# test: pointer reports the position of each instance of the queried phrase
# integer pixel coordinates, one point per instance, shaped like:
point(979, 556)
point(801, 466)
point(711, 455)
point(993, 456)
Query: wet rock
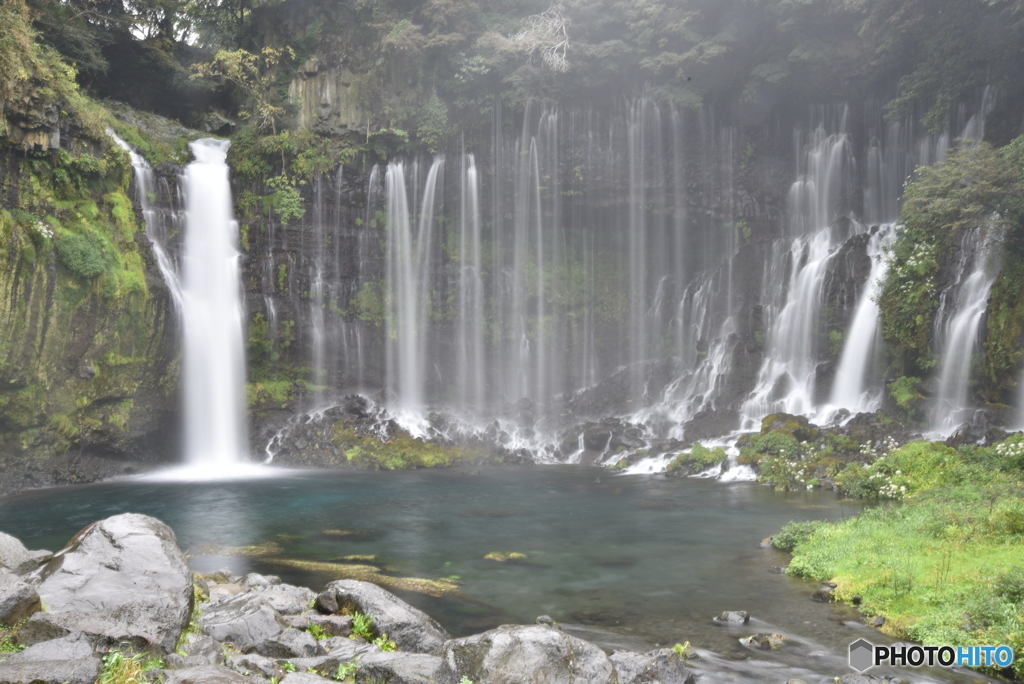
point(254, 580)
point(341, 652)
point(288, 643)
point(68, 660)
point(411, 629)
point(824, 593)
point(710, 424)
point(765, 642)
point(398, 668)
point(287, 599)
point(797, 426)
point(18, 600)
point(241, 620)
point(734, 617)
point(201, 649)
point(208, 674)
point(663, 666)
point(777, 570)
point(122, 579)
point(16, 558)
point(547, 621)
point(514, 654)
point(878, 621)
point(254, 664)
point(961, 436)
point(219, 592)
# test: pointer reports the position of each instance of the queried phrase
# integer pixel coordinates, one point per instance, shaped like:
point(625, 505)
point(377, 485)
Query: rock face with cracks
point(122, 579)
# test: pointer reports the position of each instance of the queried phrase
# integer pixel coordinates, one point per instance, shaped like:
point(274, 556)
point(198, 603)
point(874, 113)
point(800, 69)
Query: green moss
point(369, 303)
point(400, 452)
point(697, 459)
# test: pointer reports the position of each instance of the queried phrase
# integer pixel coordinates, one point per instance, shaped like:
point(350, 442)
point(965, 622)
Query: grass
point(119, 668)
point(7, 645)
point(944, 567)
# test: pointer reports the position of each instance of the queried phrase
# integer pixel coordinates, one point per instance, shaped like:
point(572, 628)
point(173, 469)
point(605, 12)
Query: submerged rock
point(122, 579)
point(515, 654)
point(412, 629)
point(734, 617)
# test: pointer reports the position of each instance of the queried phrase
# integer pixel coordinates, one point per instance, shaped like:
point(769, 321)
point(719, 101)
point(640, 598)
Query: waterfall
point(961, 309)
point(158, 224)
point(471, 372)
point(213, 362)
point(787, 378)
point(851, 389)
point(409, 260)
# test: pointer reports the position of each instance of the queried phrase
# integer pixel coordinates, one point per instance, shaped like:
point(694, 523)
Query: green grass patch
point(946, 566)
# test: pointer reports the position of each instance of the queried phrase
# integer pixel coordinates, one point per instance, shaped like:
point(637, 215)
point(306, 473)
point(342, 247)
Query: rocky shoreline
point(121, 592)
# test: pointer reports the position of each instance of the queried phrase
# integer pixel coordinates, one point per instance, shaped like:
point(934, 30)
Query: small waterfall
point(961, 309)
point(212, 314)
point(851, 388)
point(409, 261)
point(158, 224)
point(471, 372)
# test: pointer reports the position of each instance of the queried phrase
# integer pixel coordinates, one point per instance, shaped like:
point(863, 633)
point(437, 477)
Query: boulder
point(16, 558)
point(208, 674)
point(734, 617)
point(219, 592)
point(524, 654)
point(122, 579)
point(344, 653)
point(68, 660)
point(242, 620)
point(287, 599)
point(412, 629)
point(288, 643)
point(397, 668)
point(663, 666)
point(18, 600)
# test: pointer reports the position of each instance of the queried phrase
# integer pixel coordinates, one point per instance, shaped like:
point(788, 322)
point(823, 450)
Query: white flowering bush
point(42, 230)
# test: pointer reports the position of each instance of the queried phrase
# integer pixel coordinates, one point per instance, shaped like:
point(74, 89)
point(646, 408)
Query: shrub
point(795, 533)
point(84, 254)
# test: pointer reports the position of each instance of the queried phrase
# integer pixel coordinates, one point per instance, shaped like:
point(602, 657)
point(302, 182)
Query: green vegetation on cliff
point(977, 188)
point(943, 567)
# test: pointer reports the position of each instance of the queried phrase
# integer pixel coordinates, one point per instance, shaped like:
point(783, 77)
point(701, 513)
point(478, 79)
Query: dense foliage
point(978, 188)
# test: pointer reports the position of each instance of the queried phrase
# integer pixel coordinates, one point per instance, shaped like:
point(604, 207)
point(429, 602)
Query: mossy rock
point(797, 426)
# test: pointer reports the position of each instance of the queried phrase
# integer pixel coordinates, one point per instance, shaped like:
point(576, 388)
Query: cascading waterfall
point(158, 223)
point(852, 388)
point(471, 292)
point(961, 309)
point(787, 379)
point(212, 314)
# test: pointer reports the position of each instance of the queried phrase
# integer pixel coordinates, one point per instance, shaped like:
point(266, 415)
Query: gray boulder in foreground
point(412, 629)
point(18, 600)
point(525, 654)
point(663, 666)
point(69, 660)
point(243, 620)
point(122, 579)
point(16, 558)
